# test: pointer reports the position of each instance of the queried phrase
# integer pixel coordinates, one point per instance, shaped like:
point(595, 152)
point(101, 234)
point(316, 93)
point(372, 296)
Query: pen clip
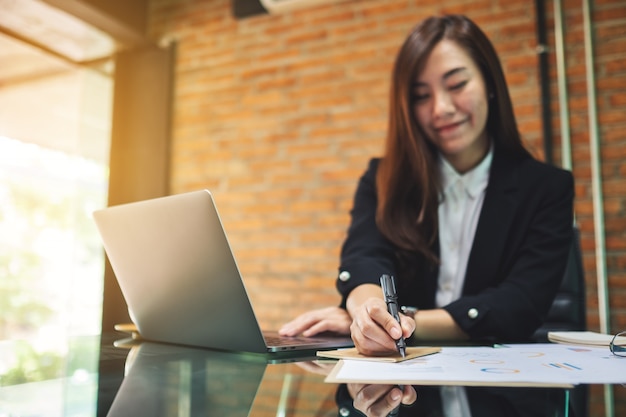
point(389, 288)
point(391, 299)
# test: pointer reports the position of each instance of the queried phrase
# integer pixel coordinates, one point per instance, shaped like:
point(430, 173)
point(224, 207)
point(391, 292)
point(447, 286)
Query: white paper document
point(510, 365)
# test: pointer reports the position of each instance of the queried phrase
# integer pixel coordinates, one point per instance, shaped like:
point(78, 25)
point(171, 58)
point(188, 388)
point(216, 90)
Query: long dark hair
point(407, 180)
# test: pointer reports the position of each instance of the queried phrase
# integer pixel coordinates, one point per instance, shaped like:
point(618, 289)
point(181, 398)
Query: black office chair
point(569, 313)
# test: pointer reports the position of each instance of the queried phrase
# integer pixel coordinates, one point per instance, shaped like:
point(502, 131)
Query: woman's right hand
point(375, 331)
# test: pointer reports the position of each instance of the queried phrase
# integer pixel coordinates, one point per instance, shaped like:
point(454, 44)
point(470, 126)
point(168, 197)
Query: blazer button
point(344, 276)
point(472, 313)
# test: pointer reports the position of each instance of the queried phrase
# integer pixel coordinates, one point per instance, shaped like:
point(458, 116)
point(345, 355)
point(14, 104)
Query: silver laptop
point(176, 270)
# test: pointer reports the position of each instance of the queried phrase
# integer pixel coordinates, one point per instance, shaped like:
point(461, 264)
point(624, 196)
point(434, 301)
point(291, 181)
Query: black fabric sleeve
point(366, 254)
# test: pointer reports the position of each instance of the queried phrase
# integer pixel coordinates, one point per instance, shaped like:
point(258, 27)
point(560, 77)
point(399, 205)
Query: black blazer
point(517, 259)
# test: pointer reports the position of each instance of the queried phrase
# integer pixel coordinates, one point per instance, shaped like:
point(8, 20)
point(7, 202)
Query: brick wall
point(278, 116)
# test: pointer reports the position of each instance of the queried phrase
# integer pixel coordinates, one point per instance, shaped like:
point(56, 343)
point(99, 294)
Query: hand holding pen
point(391, 299)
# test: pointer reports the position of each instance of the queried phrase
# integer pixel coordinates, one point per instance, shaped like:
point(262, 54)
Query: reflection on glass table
point(162, 380)
point(151, 379)
point(453, 401)
point(166, 380)
point(373, 400)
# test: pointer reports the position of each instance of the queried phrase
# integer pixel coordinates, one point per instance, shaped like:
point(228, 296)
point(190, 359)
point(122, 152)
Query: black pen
point(391, 298)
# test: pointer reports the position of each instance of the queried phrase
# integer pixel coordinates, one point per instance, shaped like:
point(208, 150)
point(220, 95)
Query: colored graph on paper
point(509, 364)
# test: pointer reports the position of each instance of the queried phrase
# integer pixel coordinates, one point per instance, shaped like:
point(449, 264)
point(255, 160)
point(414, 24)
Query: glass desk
point(150, 379)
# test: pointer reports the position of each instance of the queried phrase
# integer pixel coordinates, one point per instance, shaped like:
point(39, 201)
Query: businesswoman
point(474, 229)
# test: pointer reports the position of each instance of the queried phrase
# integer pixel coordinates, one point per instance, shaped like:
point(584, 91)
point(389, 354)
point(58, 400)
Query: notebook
point(587, 338)
point(180, 279)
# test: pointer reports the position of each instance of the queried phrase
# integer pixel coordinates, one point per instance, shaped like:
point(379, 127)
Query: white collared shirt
point(461, 201)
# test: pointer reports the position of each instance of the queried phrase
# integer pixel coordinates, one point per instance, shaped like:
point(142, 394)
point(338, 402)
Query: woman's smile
point(449, 128)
